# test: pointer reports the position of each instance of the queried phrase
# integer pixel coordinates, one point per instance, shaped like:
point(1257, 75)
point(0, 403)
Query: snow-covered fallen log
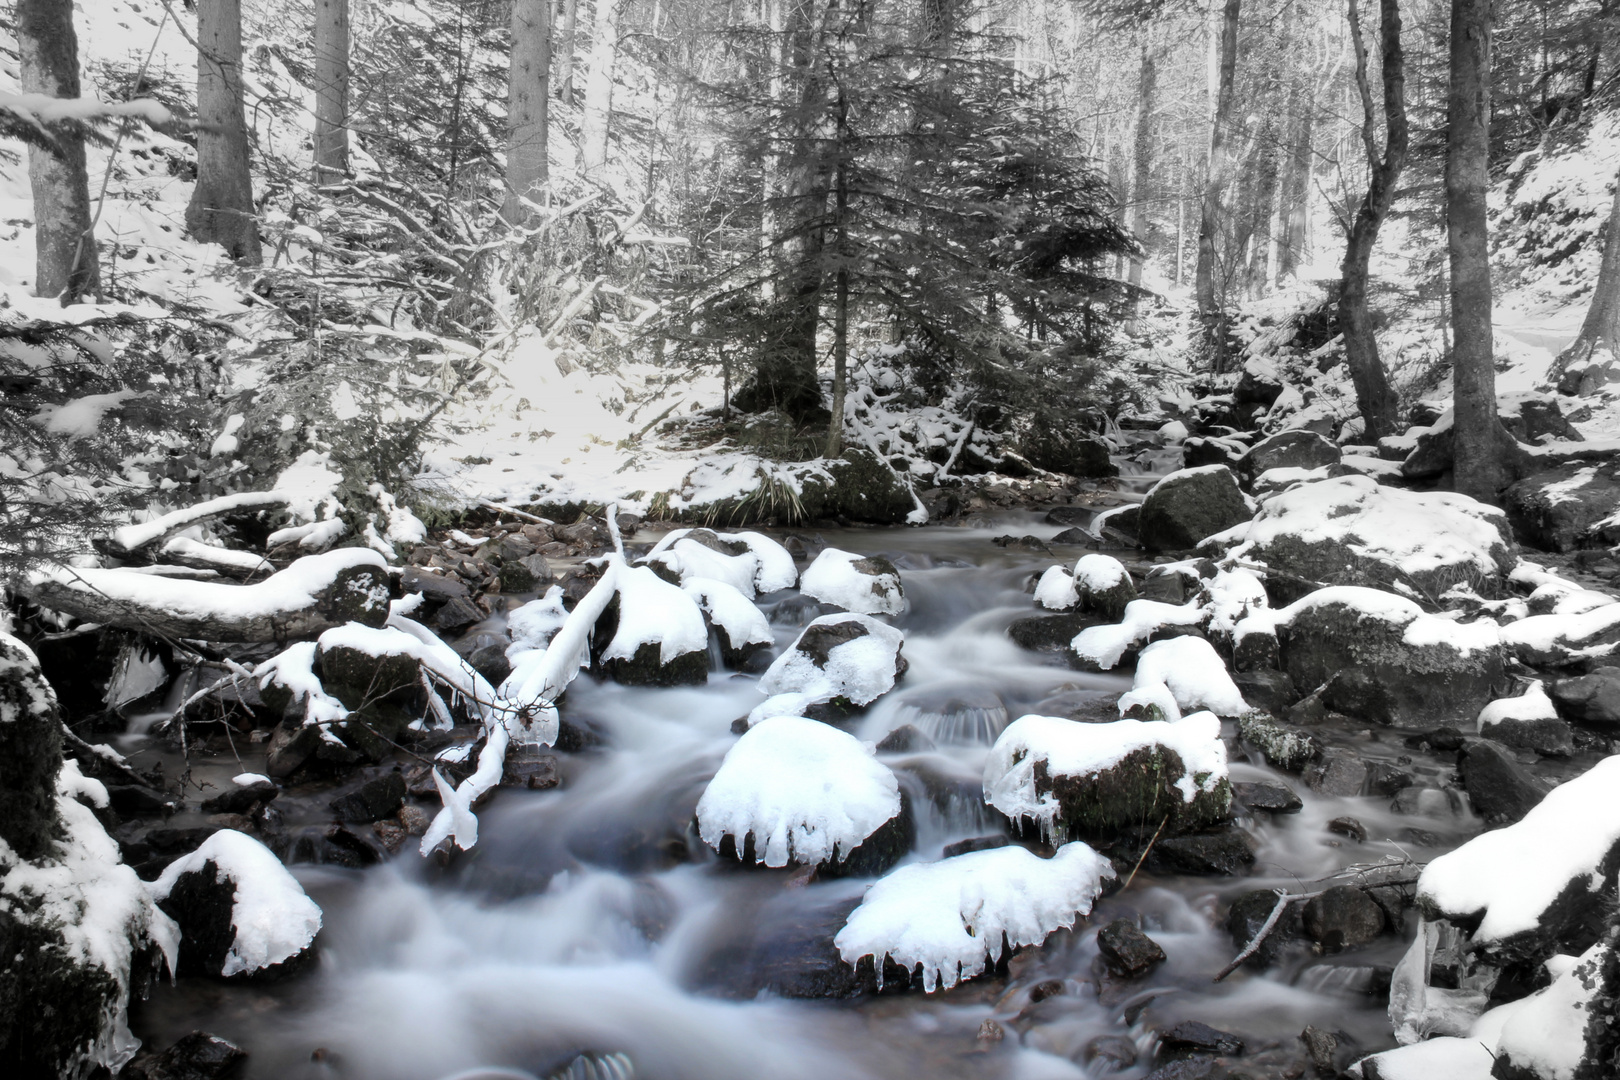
point(312, 595)
point(132, 538)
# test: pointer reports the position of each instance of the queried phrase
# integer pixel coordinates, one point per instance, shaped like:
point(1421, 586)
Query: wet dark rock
point(1350, 827)
point(197, 1056)
point(1249, 913)
point(1127, 950)
point(1051, 633)
point(1340, 772)
point(457, 613)
point(490, 661)
point(1499, 787)
point(1417, 800)
point(527, 574)
point(787, 949)
point(1191, 1037)
point(1226, 853)
point(1200, 450)
point(646, 667)
point(1269, 690)
point(1270, 797)
point(174, 840)
point(1288, 450)
point(1109, 1053)
point(1342, 917)
point(201, 903)
point(1187, 506)
point(862, 488)
point(435, 587)
point(1057, 450)
point(1443, 740)
point(138, 800)
point(1195, 1068)
point(1139, 787)
point(1566, 508)
point(1070, 515)
point(1047, 988)
point(30, 752)
point(530, 768)
point(905, 739)
point(1022, 543)
point(372, 801)
point(383, 693)
point(1282, 745)
point(1331, 1052)
point(1592, 699)
point(338, 845)
point(1073, 536)
point(240, 798)
point(1547, 736)
point(1384, 778)
point(976, 843)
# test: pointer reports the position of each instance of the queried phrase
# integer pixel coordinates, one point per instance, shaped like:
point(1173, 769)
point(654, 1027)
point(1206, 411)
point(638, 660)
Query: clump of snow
point(808, 792)
point(183, 547)
point(1098, 573)
point(1105, 645)
point(956, 916)
point(79, 418)
point(313, 536)
point(690, 559)
point(1233, 595)
point(1193, 672)
point(309, 484)
point(1056, 590)
point(860, 670)
point(773, 564)
point(1070, 748)
point(533, 625)
point(854, 583)
point(273, 919)
point(1533, 704)
point(1511, 876)
point(731, 611)
point(1542, 636)
point(653, 610)
point(1418, 627)
point(402, 526)
point(294, 670)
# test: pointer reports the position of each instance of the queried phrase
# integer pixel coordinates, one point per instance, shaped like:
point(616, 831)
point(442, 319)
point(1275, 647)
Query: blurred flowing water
point(592, 934)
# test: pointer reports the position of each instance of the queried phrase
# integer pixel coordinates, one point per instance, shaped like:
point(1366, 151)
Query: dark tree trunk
point(528, 104)
point(1263, 208)
point(331, 89)
point(30, 750)
point(1378, 404)
point(563, 54)
point(1482, 448)
point(221, 209)
point(1296, 180)
point(64, 241)
point(835, 425)
point(1209, 221)
point(1142, 160)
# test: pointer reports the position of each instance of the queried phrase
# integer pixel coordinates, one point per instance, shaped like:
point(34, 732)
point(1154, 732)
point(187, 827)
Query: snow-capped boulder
point(1555, 639)
point(1288, 450)
point(840, 658)
point(1055, 590)
point(240, 912)
point(377, 675)
point(1377, 656)
point(865, 585)
point(1189, 505)
point(1350, 530)
point(1103, 585)
point(956, 917)
point(1190, 673)
point(1576, 505)
point(1104, 647)
point(690, 558)
point(1592, 699)
point(73, 917)
point(1529, 721)
point(743, 629)
point(1074, 779)
point(651, 634)
point(798, 791)
point(773, 565)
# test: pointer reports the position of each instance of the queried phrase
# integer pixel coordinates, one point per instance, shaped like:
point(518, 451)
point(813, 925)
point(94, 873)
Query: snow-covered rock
point(1572, 506)
point(1191, 672)
point(1103, 585)
point(688, 559)
point(1104, 647)
point(654, 631)
point(957, 916)
point(1097, 780)
point(1055, 591)
point(1350, 530)
point(854, 658)
point(239, 910)
point(1555, 639)
point(1189, 505)
point(1378, 656)
point(743, 629)
point(793, 790)
point(1288, 450)
point(865, 585)
point(1530, 721)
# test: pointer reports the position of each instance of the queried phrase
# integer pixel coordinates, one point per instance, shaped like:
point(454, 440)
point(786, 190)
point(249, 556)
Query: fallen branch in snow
point(132, 538)
point(1283, 900)
point(967, 433)
point(490, 504)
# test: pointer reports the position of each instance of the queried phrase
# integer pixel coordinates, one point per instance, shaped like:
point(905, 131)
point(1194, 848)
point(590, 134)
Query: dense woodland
point(405, 403)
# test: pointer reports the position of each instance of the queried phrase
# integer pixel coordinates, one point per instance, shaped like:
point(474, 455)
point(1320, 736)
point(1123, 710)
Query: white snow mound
point(1056, 590)
point(1533, 704)
point(273, 919)
point(956, 916)
point(837, 578)
point(1193, 672)
point(808, 792)
point(861, 669)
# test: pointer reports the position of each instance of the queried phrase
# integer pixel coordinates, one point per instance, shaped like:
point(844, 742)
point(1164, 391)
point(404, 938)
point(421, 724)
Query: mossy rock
point(30, 752)
point(863, 489)
point(1283, 746)
point(1187, 506)
point(1133, 796)
point(383, 694)
point(52, 1005)
point(357, 594)
point(647, 668)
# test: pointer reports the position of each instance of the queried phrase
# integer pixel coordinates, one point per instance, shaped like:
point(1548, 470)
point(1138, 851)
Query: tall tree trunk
point(563, 54)
point(1601, 327)
point(1378, 404)
point(1296, 182)
point(841, 255)
point(64, 243)
point(594, 120)
point(1481, 446)
point(1209, 221)
point(221, 209)
point(1142, 159)
point(528, 104)
point(331, 89)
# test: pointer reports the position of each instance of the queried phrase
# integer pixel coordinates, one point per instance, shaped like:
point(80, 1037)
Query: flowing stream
point(591, 934)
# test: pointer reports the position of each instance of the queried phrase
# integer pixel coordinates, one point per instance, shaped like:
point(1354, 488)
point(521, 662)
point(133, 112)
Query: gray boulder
point(1569, 507)
point(1288, 450)
point(1187, 506)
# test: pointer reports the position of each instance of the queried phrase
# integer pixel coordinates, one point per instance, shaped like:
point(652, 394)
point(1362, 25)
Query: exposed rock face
point(1592, 699)
point(1288, 450)
point(1127, 950)
point(1378, 657)
point(1187, 506)
point(1249, 913)
point(1499, 787)
point(1572, 506)
point(1343, 917)
point(1057, 451)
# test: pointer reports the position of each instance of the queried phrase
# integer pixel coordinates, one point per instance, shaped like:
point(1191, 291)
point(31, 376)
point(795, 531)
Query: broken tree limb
point(132, 538)
point(312, 595)
point(1283, 900)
